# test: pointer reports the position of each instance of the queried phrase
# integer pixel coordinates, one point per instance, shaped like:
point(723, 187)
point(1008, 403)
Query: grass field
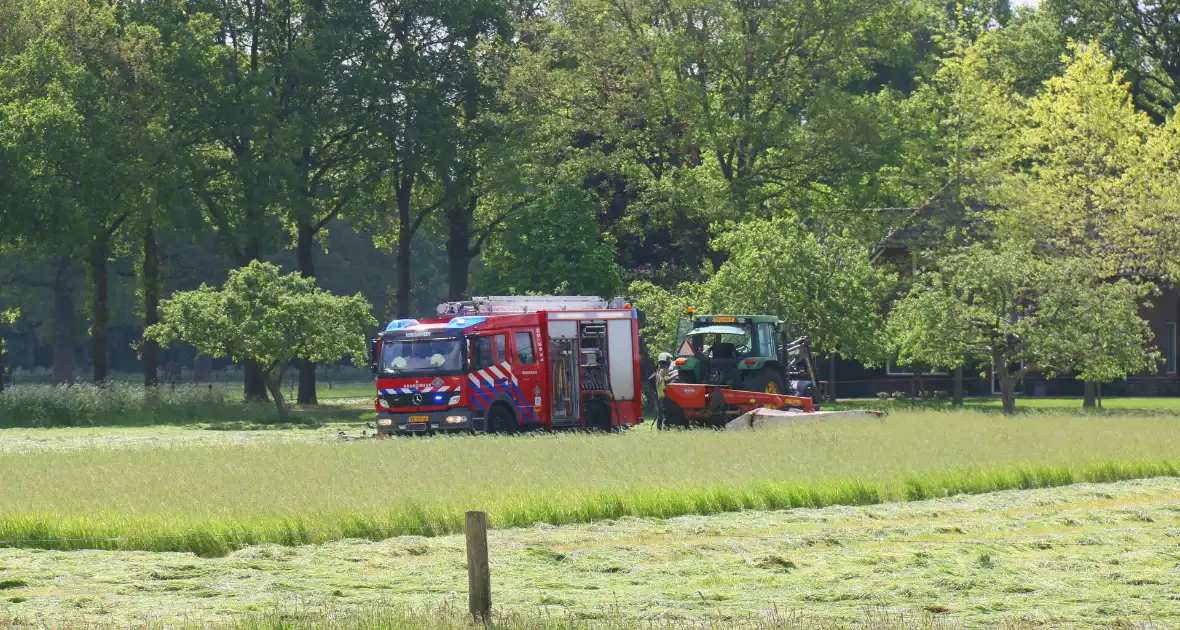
point(992, 404)
point(215, 496)
point(1083, 556)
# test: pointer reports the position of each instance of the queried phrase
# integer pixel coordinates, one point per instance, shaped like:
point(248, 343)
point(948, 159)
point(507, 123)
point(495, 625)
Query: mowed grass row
point(213, 499)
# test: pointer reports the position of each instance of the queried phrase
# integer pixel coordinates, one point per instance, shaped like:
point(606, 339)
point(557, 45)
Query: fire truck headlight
point(456, 419)
point(382, 403)
point(384, 422)
point(454, 400)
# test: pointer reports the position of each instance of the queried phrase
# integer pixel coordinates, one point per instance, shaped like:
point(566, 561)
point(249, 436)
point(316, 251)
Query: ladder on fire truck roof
point(508, 304)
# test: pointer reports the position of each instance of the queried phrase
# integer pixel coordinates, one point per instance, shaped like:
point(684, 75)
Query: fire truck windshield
point(409, 357)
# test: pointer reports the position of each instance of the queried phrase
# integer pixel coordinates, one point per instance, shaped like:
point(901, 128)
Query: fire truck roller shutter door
point(621, 355)
point(563, 329)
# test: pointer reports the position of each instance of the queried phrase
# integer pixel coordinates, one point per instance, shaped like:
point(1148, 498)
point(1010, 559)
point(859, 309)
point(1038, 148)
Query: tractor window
point(722, 346)
point(524, 348)
point(766, 338)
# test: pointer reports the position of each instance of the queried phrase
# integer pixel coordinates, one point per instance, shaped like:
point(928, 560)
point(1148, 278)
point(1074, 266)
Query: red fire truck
point(506, 364)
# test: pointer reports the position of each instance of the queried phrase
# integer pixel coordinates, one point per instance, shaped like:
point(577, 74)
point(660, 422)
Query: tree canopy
point(267, 317)
point(810, 160)
point(1021, 310)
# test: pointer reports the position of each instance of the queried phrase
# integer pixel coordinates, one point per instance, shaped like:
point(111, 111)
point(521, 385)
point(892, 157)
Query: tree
point(1022, 311)
point(76, 92)
point(826, 285)
point(714, 110)
point(553, 246)
point(1071, 171)
point(661, 310)
point(7, 318)
point(1142, 37)
point(328, 173)
point(424, 56)
point(1155, 213)
point(263, 316)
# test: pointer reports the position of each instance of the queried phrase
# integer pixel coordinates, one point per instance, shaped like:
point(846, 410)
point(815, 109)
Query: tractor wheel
point(674, 417)
point(502, 420)
point(766, 380)
point(598, 416)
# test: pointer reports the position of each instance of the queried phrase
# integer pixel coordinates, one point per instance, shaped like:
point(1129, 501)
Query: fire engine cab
point(506, 364)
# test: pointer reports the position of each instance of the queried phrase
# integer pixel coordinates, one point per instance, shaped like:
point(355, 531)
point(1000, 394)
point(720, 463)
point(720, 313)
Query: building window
point(892, 369)
point(1170, 349)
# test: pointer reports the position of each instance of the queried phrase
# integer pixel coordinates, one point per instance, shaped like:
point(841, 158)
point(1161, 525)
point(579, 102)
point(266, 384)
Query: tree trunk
point(275, 384)
point(63, 324)
point(254, 376)
point(99, 309)
point(305, 251)
point(151, 306)
point(255, 381)
point(957, 388)
point(832, 377)
point(1088, 395)
point(1008, 392)
point(459, 253)
point(404, 241)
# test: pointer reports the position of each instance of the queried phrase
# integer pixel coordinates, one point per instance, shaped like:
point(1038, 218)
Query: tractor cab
point(759, 353)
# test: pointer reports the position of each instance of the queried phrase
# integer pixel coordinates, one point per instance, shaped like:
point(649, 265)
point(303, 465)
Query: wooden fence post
point(479, 582)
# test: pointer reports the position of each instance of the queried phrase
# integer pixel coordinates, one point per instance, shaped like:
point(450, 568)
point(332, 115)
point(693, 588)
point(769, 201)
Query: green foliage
point(553, 246)
point(264, 316)
point(1071, 170)
point(1020, 311)
point(1143, 38)
point(662, 309)
point(827, 286)
point(7, 318)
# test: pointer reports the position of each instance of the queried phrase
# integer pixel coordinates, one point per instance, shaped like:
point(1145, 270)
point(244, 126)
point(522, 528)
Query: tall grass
point(122, 404)
point(213, 499)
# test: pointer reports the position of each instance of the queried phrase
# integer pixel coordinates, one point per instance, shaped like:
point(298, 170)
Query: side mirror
point(373, 355)
point(794, 330)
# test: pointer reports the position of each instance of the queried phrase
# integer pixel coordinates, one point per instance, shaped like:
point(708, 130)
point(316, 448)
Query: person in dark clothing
point(661, 377)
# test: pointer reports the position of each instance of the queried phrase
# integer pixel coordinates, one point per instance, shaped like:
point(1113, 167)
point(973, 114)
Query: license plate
point(419, 418)
point(723, 320)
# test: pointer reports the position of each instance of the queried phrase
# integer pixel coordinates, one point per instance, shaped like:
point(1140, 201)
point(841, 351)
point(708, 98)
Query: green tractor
point(756, 353)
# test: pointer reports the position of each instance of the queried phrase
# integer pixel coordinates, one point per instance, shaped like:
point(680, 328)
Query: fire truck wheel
point(598, 416)
point(501, 420)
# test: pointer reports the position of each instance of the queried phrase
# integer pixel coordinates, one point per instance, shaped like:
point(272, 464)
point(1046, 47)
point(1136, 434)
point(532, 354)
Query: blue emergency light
point(399, 324)
point(465, 322)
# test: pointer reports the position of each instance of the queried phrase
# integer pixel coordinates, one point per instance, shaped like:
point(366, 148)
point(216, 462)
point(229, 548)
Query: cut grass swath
point(214, 499)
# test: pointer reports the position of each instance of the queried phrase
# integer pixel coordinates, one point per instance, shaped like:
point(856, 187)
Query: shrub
point(883, 395)
point(121, 404)
point(941, 395)
point(900, 396)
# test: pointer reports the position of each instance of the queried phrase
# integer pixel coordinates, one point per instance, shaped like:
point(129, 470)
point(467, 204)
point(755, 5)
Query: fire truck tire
point(766, 380)
point(502, 420)
point(598, 416)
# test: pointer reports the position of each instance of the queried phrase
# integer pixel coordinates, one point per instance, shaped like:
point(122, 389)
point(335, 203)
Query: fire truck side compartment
point(621, 358)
